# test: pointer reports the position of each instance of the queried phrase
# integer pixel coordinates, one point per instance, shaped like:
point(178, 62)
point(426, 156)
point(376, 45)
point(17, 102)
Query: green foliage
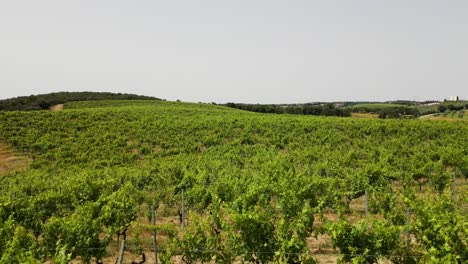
point(362, 242)
point(292, 237)
point(119, 208)
point(252, 182)
point(77, 234)
point(441, 229)
point(14, 239)
point(44, 101)
point(62, 255)
point(295, 109)
point(204, 242)
point(442, 108)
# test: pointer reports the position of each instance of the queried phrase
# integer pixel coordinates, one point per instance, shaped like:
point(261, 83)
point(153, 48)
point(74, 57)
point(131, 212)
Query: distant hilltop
point(45, 101)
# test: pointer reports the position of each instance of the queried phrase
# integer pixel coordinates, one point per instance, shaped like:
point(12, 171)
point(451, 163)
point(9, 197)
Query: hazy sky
point(237, 50)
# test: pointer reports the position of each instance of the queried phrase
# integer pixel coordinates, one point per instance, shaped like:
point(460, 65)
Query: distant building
point(453, 98)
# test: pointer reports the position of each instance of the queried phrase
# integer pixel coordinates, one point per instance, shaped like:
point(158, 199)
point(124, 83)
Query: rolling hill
point(229, 185)
point(45, 101)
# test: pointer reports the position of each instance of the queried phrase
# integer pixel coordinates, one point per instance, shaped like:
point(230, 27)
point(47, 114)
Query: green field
point(256, 187)
point(376, 105)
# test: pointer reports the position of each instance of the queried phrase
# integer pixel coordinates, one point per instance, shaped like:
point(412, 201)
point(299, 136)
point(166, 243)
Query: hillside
point(44, 101)
point(230, 185)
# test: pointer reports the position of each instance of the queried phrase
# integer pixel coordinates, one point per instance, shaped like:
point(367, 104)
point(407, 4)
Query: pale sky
point(248, 51)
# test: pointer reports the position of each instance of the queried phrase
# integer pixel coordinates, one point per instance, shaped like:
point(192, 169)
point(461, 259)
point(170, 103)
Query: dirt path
point(10, 161)
point(56, 108)
point(364, 115)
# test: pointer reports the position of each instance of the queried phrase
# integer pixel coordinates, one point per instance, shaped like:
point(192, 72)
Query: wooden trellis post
point(155, 242)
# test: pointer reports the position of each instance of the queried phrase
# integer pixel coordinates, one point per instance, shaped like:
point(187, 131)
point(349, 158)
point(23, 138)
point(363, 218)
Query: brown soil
point(364, 115)
point(10, 161)
point(56, 108)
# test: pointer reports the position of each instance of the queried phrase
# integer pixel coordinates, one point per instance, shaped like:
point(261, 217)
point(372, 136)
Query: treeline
point(408, 111)
point(399, 112)
point(383, 111)
point(299, 109)
point(44, 101)
point(451, 107)
point(395, 110)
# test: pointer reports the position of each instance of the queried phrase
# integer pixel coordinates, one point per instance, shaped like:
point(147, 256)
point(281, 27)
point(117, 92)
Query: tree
point(442, 108)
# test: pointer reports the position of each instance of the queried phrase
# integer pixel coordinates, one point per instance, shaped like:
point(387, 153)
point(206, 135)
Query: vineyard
point(200, 183)
point(450, 115)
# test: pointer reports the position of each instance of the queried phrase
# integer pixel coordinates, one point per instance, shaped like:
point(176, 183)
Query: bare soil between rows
point(10, 160)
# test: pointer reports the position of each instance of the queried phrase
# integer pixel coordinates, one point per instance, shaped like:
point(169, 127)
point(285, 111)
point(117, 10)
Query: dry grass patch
point(364, 115)
point(56, 108)
point(11, 161)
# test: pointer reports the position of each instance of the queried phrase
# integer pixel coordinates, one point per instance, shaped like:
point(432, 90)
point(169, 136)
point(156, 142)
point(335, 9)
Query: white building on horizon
point(453, 98)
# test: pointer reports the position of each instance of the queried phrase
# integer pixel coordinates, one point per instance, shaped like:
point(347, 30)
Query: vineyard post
point(155, 245)
point(454, 192)
point(182, 211)
point(429, 177)
point(118, 240)
point(122, 248)
point(366, 199)
point(408, 215)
